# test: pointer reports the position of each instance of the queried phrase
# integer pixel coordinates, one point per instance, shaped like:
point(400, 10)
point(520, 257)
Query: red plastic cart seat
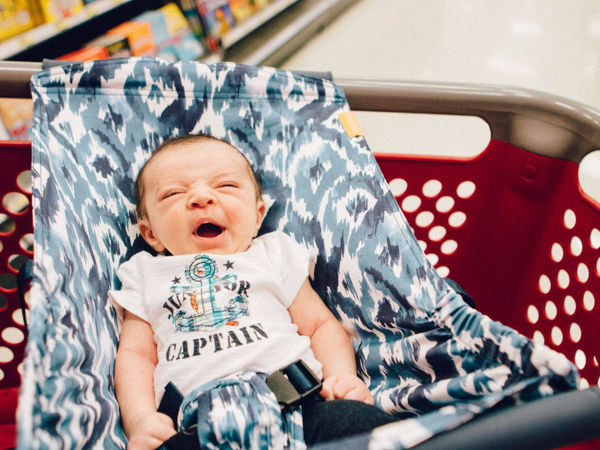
point(16, 242)
point(515, 230)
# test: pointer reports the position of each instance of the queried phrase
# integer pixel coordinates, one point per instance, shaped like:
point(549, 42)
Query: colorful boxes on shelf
point(53, 10)
point(241, 9)
point(115, 45)
point(16, 116)
point(221, 16)
point(86, 54)
point(172, 34)
point(17, 16)
point(216, 16)
point(164, 33)
point(139, 37)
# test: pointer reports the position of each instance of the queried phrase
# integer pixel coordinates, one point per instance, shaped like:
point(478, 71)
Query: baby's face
point(200, 198)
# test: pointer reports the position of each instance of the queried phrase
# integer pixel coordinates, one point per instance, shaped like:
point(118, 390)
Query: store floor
point(546, 45)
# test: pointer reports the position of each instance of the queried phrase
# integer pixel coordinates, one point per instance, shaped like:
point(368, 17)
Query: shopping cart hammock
point(420, 348)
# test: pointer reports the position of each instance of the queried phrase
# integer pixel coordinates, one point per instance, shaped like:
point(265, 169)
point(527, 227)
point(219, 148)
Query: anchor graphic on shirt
point(209, 312)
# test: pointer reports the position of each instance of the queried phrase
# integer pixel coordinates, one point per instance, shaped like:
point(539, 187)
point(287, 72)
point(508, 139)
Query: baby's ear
point(261, 210)
point(149, 236)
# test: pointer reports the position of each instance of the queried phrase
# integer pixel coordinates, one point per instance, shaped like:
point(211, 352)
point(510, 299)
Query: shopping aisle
point(546, 45)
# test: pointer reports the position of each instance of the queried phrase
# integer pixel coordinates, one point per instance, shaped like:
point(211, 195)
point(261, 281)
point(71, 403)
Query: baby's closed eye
point(228, 184)
point(169, 194)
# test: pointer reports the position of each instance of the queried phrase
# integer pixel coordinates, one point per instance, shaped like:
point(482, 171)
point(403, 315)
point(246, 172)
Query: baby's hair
point(140, 211)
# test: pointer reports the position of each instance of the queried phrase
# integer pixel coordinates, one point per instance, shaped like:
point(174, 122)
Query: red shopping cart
point(510, 225)
point(515, 231)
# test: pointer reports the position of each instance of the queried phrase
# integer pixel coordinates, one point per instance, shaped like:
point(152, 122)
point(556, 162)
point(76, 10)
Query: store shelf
point(274, 41)
point(44, 32)
point(266, 40)
point(63, 36)
point(240, 31)
point(267, 37)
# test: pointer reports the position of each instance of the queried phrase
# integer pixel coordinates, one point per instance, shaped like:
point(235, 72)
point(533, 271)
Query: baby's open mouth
point(208, 230)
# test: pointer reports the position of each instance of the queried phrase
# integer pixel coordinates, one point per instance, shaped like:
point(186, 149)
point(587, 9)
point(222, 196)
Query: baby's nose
point(200, 198)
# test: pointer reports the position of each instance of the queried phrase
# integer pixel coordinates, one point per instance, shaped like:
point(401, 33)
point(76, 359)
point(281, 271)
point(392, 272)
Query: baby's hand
point(150, 431)
point(348, 387)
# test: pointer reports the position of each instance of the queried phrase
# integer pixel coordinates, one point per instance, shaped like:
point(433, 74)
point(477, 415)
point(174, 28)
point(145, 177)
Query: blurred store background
point(547, 45)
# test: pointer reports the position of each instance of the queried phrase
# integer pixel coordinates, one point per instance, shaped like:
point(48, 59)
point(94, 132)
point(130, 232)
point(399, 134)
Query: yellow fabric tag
point(350, 124)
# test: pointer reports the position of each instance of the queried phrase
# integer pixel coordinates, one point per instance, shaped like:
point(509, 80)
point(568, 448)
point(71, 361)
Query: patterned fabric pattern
point(240, 411)
point(419, 347)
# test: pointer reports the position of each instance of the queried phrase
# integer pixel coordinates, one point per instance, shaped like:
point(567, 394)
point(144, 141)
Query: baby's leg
point(336, 419)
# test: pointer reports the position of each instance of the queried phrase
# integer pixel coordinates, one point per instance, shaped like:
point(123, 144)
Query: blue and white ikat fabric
point(240, 411)
point(422, 351)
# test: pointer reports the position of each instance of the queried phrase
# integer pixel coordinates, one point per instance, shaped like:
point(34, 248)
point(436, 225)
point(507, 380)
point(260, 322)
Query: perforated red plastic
point(515, 230)
point(16, 244)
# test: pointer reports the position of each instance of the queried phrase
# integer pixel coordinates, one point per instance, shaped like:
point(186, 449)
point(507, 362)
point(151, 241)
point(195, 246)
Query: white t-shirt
point(215, 315)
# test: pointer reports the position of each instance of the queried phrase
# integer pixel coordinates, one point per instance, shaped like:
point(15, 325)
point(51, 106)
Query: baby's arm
point(134, 386)
point(331, 345)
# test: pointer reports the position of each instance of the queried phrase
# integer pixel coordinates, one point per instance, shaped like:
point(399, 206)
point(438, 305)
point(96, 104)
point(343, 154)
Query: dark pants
point(336, 419)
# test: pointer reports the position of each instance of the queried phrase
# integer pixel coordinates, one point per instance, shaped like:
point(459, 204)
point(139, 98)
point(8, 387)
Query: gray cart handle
point(532, 120)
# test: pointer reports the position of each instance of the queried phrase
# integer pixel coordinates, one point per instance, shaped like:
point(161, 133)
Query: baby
point(223, 300)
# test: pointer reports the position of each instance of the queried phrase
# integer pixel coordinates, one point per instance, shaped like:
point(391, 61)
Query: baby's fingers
point(352, 388)
point(346, 387)
point(164, 428)
point(360, 394)
point(152, 432)
point(165, 420)
point(327, 388)
point(342, 389)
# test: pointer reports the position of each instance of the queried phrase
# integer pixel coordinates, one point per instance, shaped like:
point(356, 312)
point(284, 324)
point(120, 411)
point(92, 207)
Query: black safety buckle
point(294, 385)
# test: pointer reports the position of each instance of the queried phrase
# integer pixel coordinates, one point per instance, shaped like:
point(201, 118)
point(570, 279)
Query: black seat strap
point(170, 402)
